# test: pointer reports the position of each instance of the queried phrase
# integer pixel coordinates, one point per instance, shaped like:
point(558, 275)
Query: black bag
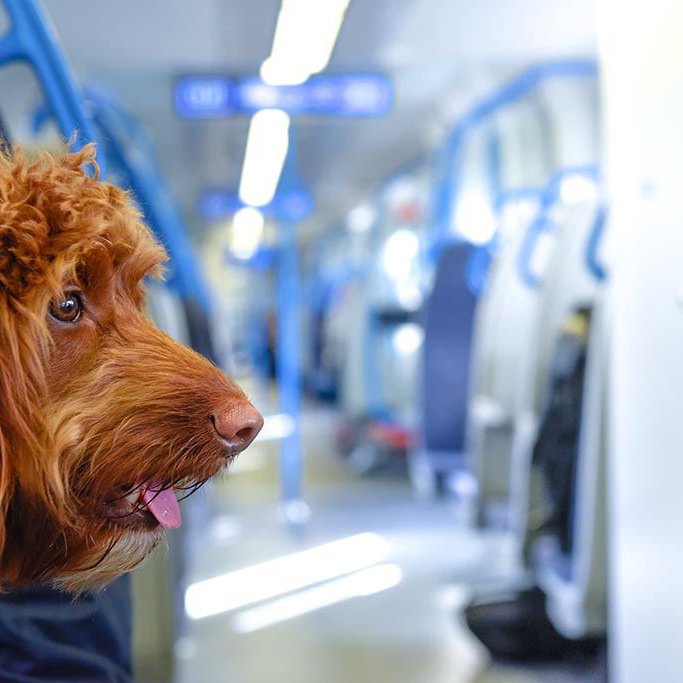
point(555, 453)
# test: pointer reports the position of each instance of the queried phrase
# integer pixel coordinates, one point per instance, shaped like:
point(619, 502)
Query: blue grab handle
point(542, 222)
point(595, 267)
point(539, 225)
point(447, 187)
point(31, 38)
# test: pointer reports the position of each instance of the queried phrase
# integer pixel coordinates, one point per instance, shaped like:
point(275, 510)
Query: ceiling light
point(305, 36)
point(247, 232)
point(264, 157)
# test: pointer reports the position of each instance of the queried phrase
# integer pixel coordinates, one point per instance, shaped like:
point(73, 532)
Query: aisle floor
point(422, 564)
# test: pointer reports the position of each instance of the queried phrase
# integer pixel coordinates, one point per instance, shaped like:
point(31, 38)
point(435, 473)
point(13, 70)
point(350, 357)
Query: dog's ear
point(40, 216)
point(25, 461)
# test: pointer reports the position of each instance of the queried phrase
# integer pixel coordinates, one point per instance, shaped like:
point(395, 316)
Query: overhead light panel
point(247, 232)
point(267, 145)
point(305, 36)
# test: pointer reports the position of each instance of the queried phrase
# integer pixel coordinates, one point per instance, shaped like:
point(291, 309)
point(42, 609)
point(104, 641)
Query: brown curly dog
point(103, 418)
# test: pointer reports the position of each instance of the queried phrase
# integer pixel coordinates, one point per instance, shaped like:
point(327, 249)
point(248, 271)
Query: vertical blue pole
point(289, 353)
point(289, 362)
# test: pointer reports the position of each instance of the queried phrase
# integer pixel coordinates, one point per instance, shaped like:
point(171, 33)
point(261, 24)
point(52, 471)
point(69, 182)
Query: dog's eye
point(67, 310)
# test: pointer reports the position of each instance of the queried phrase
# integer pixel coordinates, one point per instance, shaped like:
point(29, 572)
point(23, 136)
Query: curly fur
point(87, 410)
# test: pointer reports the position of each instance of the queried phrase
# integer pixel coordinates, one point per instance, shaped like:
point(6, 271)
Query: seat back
point(449, 323)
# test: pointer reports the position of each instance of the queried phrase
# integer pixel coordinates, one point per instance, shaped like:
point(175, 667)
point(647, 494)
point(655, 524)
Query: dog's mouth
point(153, 501)
point(151, 504)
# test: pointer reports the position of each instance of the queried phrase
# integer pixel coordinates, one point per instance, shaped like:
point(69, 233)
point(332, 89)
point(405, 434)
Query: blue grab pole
point(289, 362)
point(446, 188)
point(288, 344)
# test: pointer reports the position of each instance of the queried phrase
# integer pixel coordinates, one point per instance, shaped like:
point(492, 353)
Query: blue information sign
point(347, 95)
point(216, 204)
point(204, 97)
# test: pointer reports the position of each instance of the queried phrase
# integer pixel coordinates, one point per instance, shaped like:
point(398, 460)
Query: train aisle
point(413, 557)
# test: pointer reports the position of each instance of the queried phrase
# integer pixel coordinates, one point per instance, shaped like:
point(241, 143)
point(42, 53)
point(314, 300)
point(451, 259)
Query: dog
point(104, 420)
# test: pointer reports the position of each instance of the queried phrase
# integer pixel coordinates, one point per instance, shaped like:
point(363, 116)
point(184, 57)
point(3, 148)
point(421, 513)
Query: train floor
point(408, 628)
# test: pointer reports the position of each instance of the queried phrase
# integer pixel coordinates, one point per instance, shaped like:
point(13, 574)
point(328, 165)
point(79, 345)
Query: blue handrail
point(542, 222)
point(31, 38)
point(593, 264)
point(446, 189)
point(538, 226)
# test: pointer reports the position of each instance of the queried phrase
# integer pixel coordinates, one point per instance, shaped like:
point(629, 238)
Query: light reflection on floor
point(403, 628)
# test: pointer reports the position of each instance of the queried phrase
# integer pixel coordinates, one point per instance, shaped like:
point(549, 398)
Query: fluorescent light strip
point(247, 232)
point(360, 584)
point(283, 575)
point(305, 36)
point(267, 145)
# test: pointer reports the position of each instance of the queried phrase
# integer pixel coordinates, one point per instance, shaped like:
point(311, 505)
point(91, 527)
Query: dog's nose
point(237, 425)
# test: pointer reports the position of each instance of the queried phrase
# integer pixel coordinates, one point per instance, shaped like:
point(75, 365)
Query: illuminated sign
point(204, 97)
point(217, 204)
point(347, 95)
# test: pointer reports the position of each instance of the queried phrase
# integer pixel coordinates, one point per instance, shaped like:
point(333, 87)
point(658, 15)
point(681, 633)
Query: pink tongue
point(163, 505)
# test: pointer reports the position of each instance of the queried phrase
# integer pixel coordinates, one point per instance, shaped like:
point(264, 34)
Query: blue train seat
point(449, 320)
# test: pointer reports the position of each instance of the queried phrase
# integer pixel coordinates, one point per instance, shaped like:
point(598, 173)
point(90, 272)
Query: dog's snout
point(237, 425)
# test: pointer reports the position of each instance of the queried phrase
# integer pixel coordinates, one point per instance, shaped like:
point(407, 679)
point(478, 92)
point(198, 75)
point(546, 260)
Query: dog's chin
point(124, 527)
point(124, 553)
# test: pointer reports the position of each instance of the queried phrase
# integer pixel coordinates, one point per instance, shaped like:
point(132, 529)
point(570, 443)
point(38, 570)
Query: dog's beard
point(86, 552)
point(122, 555)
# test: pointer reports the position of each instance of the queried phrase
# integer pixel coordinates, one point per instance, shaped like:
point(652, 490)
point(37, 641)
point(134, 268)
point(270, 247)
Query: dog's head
point(104, 419)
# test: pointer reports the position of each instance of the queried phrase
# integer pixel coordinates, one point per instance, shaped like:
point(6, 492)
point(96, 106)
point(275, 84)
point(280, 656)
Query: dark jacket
point(46, 635)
